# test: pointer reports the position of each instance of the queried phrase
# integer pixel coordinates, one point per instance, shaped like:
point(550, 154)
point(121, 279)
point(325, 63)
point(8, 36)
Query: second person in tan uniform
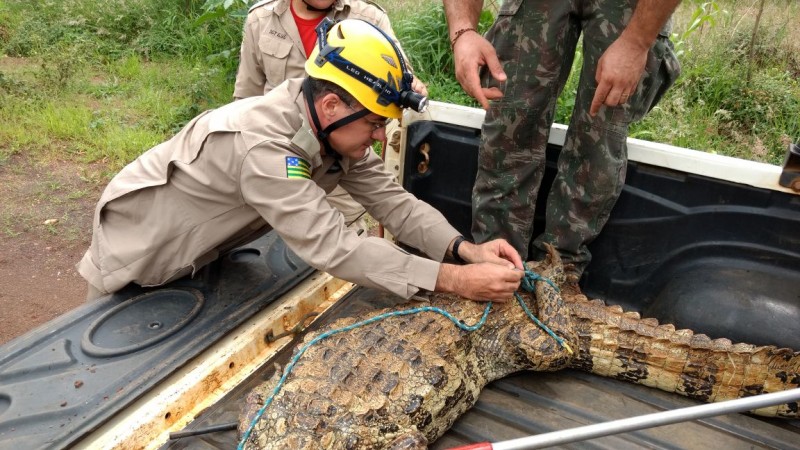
point(278, 37)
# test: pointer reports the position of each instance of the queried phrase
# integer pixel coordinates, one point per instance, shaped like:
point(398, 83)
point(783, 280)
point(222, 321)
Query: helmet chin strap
point(322, 135)
point(315, 9)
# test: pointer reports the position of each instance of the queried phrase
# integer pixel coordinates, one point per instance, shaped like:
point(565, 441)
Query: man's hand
point(623, 62)
point(483, 281)
point(498, 251)
point(618, 74)
point(470, 53)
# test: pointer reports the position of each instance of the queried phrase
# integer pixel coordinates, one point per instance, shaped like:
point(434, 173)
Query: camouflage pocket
point(661, 71)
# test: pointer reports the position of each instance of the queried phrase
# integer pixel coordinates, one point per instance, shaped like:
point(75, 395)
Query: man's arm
point(495, 276)
point(462, 14)
point(471, 51)
point(493, 272)
point(498, 251)
point(482, 281)
point(620, 68)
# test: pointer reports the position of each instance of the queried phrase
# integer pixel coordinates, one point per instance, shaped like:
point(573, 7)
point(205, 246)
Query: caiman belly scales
point(401, 382)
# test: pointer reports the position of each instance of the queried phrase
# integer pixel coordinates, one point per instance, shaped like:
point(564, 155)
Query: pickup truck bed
point(532, 403)
point(701, 241)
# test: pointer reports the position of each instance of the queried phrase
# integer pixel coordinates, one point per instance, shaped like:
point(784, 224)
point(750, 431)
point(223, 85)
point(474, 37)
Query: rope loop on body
point(528, 283)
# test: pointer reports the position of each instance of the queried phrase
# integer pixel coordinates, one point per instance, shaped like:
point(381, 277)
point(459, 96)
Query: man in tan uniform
point(278, 37)
point(267, 162)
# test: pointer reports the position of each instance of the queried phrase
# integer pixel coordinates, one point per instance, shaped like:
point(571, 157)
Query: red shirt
point(307, 29)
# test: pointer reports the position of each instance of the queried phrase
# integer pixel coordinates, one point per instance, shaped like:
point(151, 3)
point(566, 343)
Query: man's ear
point(328, 104)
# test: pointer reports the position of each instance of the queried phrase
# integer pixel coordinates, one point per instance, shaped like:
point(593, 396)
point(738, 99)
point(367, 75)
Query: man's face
point(355, 138)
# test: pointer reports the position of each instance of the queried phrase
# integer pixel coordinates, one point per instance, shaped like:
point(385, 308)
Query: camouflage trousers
point(536, 42)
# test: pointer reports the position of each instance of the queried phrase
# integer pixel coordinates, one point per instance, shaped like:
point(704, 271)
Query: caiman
point(400, 382)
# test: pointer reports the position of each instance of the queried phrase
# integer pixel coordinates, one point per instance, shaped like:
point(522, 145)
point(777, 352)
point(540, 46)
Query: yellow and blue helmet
point(363, 60)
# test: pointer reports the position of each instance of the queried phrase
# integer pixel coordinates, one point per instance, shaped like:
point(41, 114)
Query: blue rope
point(531, 277)
point(527, 283)
point(330, 333)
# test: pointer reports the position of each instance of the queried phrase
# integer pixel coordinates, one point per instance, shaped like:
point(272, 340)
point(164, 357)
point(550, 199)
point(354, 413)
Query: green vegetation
point(104, 81)
point(733, 98)
point(714, 106)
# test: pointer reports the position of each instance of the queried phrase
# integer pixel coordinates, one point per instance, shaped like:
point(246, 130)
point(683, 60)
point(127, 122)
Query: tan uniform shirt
point(271, 47)
point(224, 177)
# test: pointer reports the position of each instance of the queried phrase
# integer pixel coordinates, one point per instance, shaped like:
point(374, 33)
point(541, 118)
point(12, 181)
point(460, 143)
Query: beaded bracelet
point(458, 35)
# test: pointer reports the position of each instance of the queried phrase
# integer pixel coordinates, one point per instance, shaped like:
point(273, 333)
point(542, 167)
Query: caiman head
point(528, 345)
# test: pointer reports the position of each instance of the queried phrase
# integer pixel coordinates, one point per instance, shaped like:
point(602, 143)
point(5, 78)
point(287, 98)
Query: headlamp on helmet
point(352, 53)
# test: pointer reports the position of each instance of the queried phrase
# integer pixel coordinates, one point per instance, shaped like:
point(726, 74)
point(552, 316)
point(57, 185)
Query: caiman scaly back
point(401, 382)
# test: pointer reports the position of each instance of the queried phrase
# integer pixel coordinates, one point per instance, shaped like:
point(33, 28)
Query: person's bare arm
point(462, 14)
point(620, 68)
point(419, 87)
point(471, 51)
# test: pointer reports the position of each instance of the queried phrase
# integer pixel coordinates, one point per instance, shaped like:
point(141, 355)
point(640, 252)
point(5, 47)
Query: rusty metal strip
point(178, 400)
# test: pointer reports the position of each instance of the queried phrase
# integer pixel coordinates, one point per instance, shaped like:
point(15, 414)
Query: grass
point(426, 41)
point(727, 101)
point(106, 81)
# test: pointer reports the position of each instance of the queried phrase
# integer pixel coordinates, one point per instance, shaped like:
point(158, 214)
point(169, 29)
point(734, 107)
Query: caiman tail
point(619, 344)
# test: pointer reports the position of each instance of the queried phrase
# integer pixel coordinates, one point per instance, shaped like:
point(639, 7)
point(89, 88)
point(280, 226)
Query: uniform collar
point(281, 7)
point(339, 5)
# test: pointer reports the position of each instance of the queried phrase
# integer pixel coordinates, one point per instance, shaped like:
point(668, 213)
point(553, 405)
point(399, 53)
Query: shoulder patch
point(260, 4)
point(297, 167)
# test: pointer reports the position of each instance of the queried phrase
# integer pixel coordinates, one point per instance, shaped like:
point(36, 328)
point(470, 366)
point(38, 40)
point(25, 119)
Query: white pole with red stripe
point(640, 422)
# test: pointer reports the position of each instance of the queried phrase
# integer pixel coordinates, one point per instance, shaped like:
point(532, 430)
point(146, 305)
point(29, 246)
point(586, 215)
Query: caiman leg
point(549, 354)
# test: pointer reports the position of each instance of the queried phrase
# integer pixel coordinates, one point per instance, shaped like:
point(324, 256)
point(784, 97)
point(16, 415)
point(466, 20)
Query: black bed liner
point(716, 257)
point(69, 376)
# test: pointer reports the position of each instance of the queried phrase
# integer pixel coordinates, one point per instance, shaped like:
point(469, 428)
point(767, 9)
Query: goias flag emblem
point(297, 168)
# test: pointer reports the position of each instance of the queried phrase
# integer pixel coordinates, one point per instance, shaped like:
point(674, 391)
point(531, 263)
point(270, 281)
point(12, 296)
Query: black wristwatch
point(458, 242)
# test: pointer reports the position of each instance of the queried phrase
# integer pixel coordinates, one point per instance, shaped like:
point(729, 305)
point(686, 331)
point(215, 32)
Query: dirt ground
point(45, 227)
